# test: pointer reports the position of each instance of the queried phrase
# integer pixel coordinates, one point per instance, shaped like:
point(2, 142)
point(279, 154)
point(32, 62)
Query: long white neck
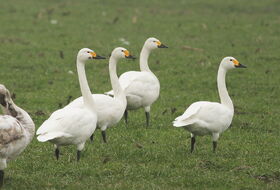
point(144, 55)
point(22, 116)
point(118, 91)
point(223, 93)
point(86, 93)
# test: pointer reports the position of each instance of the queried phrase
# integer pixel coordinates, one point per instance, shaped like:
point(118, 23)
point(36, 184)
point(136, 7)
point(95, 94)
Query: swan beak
point(95, 56)
point(238, 65)
point(127, 55)
point(99, 57)
point(241, 66)
point(130, 57)
point(160, 45)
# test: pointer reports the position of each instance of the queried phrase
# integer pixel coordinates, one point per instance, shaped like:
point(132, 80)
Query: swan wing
point(10, 130)
point(125, 80)
point(68, 122)
point(188, 116)
point(129, 79)
point(103, 103)
point(212, 115)
point(108, 109)
point(135, 81)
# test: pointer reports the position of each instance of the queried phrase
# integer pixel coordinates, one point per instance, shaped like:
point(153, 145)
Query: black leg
point(78, 155)
point(56, 153)
point(214, 146)
point(192, 143)
point(91, 138)
point(147, 118)
point(125, 116)
point(1, 178)
point(104, 136)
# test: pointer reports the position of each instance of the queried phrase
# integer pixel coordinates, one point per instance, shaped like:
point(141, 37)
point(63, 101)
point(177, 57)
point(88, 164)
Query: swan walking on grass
point(109, 110)
point(73, 125)
point(210, 118)
point(141, 87)
point(16, 130)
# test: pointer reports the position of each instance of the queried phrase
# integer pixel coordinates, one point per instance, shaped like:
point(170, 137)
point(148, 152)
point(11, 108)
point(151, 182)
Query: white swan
point(109, 110)
point(210, 118)
point(141, 87)
point(73, 126)
point(16, 130)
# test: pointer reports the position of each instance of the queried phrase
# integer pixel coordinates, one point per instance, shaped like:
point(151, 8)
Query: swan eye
point(230, 59)
point(88, 52)
point(122, 50)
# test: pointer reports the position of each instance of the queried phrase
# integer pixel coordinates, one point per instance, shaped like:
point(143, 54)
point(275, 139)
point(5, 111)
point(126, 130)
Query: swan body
point(201, 118)
point(109, 109)
point(73, 125)
point(16, 130)
point(66, 127)
point(210, 118)
point(141, 87)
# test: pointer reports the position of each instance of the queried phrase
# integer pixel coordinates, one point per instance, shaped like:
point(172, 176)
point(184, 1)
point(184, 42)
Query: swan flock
point(76, 122)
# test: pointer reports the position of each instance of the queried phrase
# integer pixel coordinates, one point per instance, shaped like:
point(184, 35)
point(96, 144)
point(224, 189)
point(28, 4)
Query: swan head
point(120, 53)
point(231, 63)
point(4, 95)
point(86, 54)
point(153, 43)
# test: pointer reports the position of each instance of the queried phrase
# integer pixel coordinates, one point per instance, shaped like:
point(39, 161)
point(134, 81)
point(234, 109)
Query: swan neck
point(118, 91)
point(144, 55)
point(85, 90)
point(223, 93)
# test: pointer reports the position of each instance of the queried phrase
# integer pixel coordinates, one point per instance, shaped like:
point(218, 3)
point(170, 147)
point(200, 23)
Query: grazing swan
point(73, 125)
point(210, 118)
point(16, 130)
point(109, 110)
point(141, 87)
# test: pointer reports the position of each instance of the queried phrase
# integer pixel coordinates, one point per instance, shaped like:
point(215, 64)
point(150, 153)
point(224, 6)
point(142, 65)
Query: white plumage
point(109, 110)
point(16, 130)
point(68, 126)
point(210, 118)
point(141, 87)
point(73, 125)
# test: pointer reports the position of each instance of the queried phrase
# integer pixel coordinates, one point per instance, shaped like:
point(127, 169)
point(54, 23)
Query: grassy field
point(39, 42)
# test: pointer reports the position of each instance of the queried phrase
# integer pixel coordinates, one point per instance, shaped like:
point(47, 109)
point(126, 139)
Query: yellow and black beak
point(95, 56)
point(160, 45)
point(241, 66)
point(127, 55)
point(238, 65)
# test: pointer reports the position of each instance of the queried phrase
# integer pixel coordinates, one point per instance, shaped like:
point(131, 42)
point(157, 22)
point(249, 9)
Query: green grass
point(136, 157)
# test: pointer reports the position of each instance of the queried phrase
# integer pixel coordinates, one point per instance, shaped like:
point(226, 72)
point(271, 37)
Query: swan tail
point(188, 117)
point(49, 136)
point(110, 93)
point(182, 123)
